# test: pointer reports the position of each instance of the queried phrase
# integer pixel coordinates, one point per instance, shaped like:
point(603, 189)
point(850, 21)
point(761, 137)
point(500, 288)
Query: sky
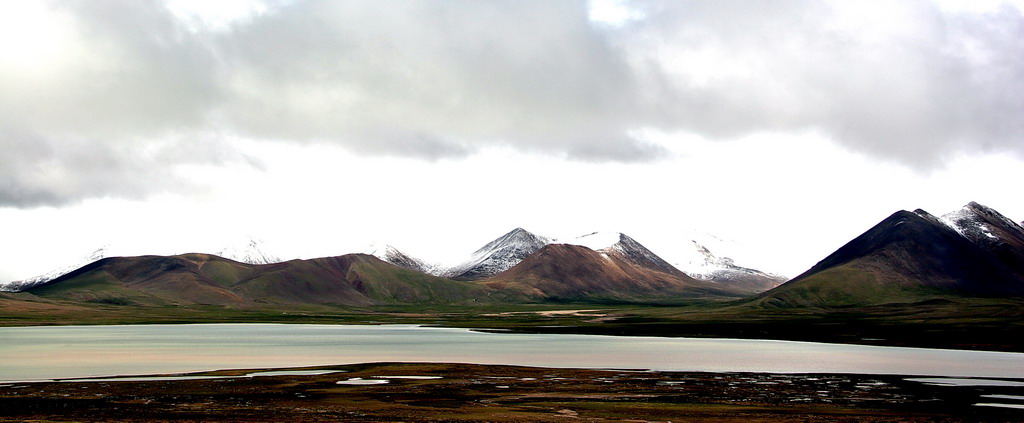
point(320, 127)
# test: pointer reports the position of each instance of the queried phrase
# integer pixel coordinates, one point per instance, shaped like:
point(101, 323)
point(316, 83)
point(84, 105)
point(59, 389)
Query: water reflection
point(61, 352)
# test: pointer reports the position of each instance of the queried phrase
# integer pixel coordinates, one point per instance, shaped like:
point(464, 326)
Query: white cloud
point(612, 12)
point(222, 15)
point(911, 82)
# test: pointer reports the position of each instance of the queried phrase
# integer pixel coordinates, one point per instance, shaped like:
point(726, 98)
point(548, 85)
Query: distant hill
point(913, 257)
point(908, 257)
point(349, 280)
point(518, 266)
point(495, 257)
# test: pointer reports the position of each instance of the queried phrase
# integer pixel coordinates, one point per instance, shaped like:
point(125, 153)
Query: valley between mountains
point(955, 280)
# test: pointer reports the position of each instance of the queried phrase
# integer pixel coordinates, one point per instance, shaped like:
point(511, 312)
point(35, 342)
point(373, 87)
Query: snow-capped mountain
point(251, 252)
point(624, 247)
point(990, 230)
point(703, 264)
point(396, 257)
point(909, 257)
point(983, 225)
point(17, 286)
point(714, 258)
point(498, 255)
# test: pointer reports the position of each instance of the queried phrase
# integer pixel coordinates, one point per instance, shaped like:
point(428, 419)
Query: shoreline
point(655, 330)
point(975, 326)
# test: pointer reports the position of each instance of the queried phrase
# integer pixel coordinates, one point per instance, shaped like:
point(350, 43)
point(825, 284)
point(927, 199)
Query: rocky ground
point(459, 392)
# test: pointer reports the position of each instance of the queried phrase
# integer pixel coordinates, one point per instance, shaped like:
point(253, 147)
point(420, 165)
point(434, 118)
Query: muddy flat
point(461, 392)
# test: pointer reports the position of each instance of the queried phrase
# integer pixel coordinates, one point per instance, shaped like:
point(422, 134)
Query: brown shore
point(471, 393)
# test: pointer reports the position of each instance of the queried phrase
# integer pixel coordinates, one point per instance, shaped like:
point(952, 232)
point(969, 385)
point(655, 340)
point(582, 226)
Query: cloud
point(905, 81)
point(96, 114)
point(427, 80)
point(40, 171)
point(481, 73)
point(92, 88)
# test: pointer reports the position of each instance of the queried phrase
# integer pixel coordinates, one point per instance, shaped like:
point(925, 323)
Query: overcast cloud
point(899, 80)
point(115, 98)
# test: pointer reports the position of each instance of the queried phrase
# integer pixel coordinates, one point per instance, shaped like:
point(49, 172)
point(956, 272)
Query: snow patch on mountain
point(393, 255)
point(625, 247)
point(975, 222)
point(703, 264)
point(381, 250)
point(700, 253)
point(701, 261)
point(499, 255)
point(251, 251)
point(713, 258)
point(25, 284)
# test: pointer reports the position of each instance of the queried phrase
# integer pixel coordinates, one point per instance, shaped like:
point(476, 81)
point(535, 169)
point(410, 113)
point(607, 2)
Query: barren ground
point(506, 394)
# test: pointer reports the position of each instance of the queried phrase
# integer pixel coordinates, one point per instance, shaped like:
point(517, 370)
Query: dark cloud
point(903, 81)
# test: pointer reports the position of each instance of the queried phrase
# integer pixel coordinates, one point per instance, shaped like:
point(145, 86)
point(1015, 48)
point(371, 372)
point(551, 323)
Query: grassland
point(985, 324)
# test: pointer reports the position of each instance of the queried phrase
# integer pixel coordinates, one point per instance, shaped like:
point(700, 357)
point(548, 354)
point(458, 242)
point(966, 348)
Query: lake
point(56, 352)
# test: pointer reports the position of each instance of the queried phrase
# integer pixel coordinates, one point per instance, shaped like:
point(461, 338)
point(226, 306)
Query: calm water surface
point(53, 352)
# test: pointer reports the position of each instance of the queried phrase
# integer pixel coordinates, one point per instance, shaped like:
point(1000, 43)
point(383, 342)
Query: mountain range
point(205, 279)
point(517, 266)
point(508, 250)
point(909, 257)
